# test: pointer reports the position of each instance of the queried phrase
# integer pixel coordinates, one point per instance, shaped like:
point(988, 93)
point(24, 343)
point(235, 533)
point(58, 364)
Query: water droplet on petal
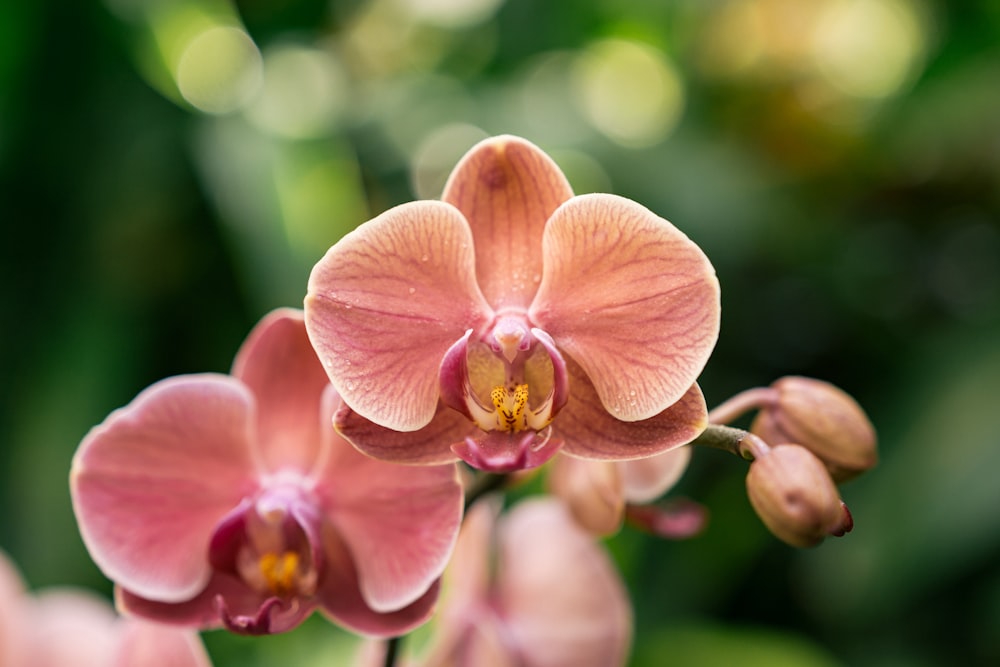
point(413, 290)
point(424, 257)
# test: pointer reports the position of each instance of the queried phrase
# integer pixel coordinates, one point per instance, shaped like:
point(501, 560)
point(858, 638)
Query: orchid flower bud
point(823, 419)
point(793, 494)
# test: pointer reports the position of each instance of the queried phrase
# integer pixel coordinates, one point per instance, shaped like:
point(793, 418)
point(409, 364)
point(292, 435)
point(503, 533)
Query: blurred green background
point(170, 170)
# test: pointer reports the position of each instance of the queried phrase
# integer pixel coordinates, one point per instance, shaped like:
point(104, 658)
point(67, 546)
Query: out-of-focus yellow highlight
point(860, 50)
point(220, 70)
point(630, 92)
point(867, 48)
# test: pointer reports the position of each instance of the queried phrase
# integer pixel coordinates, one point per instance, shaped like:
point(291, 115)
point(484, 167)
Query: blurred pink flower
point(551, 597)
point(229, 500)
point(514, 302)
point(599, 494)
point(63, 627)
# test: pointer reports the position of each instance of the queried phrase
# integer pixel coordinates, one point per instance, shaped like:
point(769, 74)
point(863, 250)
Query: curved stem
point(736, 441)
point(733, 408)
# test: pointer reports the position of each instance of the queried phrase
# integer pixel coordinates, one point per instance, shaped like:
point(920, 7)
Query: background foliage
point(838, 160)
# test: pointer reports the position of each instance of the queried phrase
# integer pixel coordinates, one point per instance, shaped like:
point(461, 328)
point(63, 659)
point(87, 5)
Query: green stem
point(736, 441)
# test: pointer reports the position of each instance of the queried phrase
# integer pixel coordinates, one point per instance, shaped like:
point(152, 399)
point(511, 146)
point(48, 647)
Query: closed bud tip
point(823, 419)
point(795, 497)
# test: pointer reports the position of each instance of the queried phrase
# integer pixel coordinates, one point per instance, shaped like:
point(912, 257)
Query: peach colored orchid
point(512, 319)
point(62, 627)
point(229, 500)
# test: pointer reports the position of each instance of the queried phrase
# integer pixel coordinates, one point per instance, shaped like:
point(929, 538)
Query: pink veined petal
point(427, 446)
point(386, 303)
point(592, 490)
point(631, 299)
point(507, 188)
point(280, 367)
point(150, 483)
point(341, 599)
point(399, 523)
point(645, 480)
point(70, 627)
point(144, 644)
point(590, 432)
point(561, 598)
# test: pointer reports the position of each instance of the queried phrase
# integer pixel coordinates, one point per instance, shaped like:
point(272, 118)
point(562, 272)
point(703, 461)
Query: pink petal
point(70, 627)
point(592, 490)
point(560, 595)
point(631, 299)
point(280, 367)
point(150, 483)
point(426, 446)
point(203, 610)
point(590, 432)
point(13, 600)
point(676, 519)
point(386, 303)
point(146, 644)
point(399, 523)
point(342, 600)
point(501, 452)
point(645, 480)
point(507, 188)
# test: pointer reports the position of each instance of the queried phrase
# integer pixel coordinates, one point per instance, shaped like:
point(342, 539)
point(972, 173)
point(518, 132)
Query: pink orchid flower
point(229, 500)
point(546, 320)
point(63, 627)
point(530, 589)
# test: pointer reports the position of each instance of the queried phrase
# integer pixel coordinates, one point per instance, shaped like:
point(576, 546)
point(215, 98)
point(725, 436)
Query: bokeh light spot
point(629, 91)
point(220, 70)
point(452, 13)
point(303, 93)
point(437, 154)
point(867, 48)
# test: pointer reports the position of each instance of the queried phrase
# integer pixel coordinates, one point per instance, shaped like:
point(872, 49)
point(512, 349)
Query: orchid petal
point(144, 644)
point(631, 299)
point(223, 593)
point(12, 596)
point(645, 480)
point(386, 303)
point(341, 598)
point(590, 432)
point(70, 627)
point(427, 446)
point(507, 188)
point(152, 481)
point(501, 452)
point(592, 490)
point(399, 523)
point(562, 599)
point(280, 367)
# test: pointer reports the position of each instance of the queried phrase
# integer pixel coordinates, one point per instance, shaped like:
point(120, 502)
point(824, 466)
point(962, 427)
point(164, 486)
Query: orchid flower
point(63, 626)
point(229, 500)
point(527, 589)
point(512, 319)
